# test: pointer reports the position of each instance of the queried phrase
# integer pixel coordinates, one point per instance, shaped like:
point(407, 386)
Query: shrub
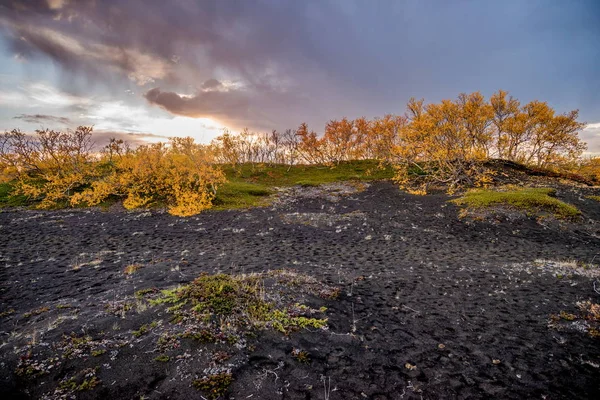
point(49, 166)
point(180, 176)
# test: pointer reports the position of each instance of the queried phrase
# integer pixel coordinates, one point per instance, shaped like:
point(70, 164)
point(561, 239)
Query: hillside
point(418, 301)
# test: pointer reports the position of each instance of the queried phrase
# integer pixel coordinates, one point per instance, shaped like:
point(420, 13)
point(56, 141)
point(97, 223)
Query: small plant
point(145, 329)
point(35, 312)
point(566, 316)
point(97, 353)
point(132, 269)
point(83, 381)
point(214, 385)
point(162, 358)
point(595, 198)
point(7, 312)
point(220, 356)
point(301, 356)
point(143, 292)
point(588, 318)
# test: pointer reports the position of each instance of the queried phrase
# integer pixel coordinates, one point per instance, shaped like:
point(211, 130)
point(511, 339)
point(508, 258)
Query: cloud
point(204, 104)
point(102, 137)
point(212, 84)
point(43, 118)
point(275, 63)
point(591, 135)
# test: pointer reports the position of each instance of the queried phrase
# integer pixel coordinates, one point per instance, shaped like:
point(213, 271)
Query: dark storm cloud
point(42, 118)
point(317, 59)
point(240, 107)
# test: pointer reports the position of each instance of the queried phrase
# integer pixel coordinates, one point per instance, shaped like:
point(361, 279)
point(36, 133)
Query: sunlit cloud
point(591, 135)
point(118, 116)
point(43, 94)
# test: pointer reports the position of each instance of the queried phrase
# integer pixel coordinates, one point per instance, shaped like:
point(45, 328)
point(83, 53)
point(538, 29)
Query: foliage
point(528, 199)
point(54, 169)
point(50, 166)
point(444, 145)
point(587, 319)
point(180, 175)
point(131, 269)
point(590, 168)
point(448, 143)
point(226, 308)
point(214, 385)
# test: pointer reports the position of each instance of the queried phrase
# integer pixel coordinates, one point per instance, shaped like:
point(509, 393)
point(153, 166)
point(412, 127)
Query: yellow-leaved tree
point(50, 166)
point(447, 144)
point(180, 175)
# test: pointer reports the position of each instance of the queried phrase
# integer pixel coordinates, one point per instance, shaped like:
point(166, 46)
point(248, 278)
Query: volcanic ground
point(430, 305)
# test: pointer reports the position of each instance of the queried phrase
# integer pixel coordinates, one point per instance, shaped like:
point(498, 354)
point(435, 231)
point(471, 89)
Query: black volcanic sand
point(431, 306)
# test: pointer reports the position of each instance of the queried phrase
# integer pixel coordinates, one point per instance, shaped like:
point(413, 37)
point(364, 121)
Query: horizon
point(147, 71)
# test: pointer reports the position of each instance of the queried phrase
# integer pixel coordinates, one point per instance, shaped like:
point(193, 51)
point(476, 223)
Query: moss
point(530, 200)
point(97, 353)
point(285, 324)
point(214, 386)
point(223, 308)
point(6, 313)
point(143, 292)
point(144, 329)
point(167, 296)
point(596, 198)
point(35, 312)
point(83, 381)
point(162, 358)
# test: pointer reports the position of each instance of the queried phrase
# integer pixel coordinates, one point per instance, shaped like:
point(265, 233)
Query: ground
point(430, 305)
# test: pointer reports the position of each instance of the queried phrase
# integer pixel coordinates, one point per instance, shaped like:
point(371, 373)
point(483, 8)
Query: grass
point(596, 198)
point(527, 199)
point(249, 185)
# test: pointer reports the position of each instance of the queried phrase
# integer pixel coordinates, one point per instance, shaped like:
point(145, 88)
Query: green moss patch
point(531, 200)
point(224, 308)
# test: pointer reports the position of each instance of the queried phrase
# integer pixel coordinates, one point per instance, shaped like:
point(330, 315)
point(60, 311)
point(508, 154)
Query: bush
point(58, 169)
point(48, 167)
point(180, 176)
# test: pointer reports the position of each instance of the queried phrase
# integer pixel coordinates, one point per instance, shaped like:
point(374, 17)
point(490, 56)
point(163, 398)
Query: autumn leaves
point(441, 145)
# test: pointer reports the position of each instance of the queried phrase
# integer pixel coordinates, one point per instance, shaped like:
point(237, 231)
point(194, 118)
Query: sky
point(146, 70)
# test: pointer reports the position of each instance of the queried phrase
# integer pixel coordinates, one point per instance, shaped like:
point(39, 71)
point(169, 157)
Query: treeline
point(442, 144)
